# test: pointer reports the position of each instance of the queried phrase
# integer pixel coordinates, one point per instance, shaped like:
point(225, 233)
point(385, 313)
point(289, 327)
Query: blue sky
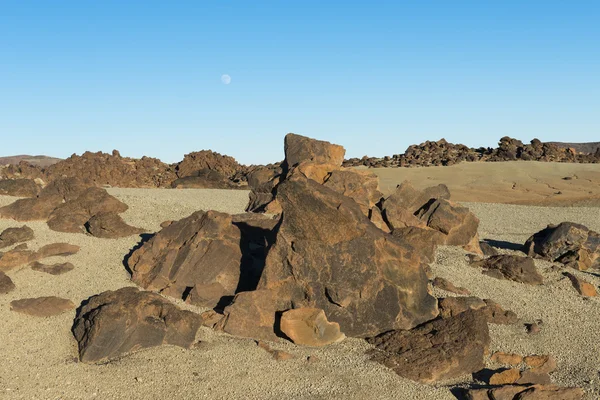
point(144, 77)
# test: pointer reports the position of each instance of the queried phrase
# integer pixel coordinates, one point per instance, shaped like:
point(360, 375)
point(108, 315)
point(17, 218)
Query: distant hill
point(42, 161)
point(589, 147)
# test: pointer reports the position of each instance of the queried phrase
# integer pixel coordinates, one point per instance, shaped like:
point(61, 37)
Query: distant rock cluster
point(443, 153)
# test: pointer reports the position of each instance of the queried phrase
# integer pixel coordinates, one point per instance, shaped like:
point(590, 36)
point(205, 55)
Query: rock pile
point(443, 153)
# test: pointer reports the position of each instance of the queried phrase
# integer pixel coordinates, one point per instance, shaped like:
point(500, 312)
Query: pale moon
point(226, 79)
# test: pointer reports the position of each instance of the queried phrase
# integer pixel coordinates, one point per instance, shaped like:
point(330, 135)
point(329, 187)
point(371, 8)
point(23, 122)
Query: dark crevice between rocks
point(144, 237)
point(501, 244)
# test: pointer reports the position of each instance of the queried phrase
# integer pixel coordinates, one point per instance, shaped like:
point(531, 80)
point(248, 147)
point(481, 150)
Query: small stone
point(6, 284)
point(54, 269)
point(583, 288)
point(533, 328)
point(542, 363)
point(505, 377)
point(507, 358)
point(42, 306)
point(533, 377)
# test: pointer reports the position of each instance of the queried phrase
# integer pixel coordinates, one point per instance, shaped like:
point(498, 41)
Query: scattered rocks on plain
point(6, 284)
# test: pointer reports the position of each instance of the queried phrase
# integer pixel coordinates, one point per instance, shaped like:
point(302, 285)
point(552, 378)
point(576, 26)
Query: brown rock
point(19, 187)
point(568, 243)
point(407, 201)
point(204, 258)
point(164, 224)
point(505, 377)
point(533, 328)
point(15, 258)
point(278, 355)
point(54, 269)
point(30, 209)
point(6, 284)
point(300, 148)
point(542, 363)
point(116, 322)
point(424, 239)
point(12, 236)
point(110, 225)
point(456, 222)
point(361, 186)
point(536, 392)
point(448, 286)
point(511, 267)
point(309, 327)
point(583, 288)
point(533, 377)
point(440, 349)
point(487, 249)
point(494, 314)
point(328, 255)
point(507, 358)
point(497, 315)
point(207, 160)
point(205, 179)
point(252, 314)
point(42, 306)
point(55, 249)
point(377, 219)
point(73, 215)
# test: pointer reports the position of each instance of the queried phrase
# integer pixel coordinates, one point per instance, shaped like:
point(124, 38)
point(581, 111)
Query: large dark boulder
point(19, 187)
point(300, 149)
point(328, 255)
point(440, 349)
point(110, 225)
point(571, 244)
point(113, 323)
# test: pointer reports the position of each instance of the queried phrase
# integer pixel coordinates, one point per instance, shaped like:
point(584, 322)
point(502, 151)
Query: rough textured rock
point(542, 363)
point(377, 219)
point(56, 249)
point(14, 258)
point(112, 169)
point(11, 236)
point(424, 239)
point(72, 216)
point(110, 225)
point(583, 288)
point(42, 306)
point(206, 179)
point(117, 322)
point(309, 327)
point(20, 256)
point(511, 267)
point(253, 314)
point(208, 160)
point(328, 255)
point(361, 186)
point(507, 358)
point(54, 269)
point(205, 257)
point(302, 149)
point(456, 222)
point(448, 286)
point(535, 392)
point(505, 377)
point(568, 243)
point(19, 187)
point(6, 284)
point(494, 314)
point(440, 349)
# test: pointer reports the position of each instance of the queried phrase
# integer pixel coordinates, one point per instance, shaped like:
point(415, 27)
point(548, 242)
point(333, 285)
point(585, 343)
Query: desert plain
point(512, 200)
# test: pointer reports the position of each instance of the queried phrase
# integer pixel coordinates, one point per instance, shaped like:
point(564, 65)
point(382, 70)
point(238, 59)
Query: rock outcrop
point(114, 323)
point(11, 236)
point(19, 187)
point(309, 327)
point(197, 161)
point(573, 245)
point(440, 349)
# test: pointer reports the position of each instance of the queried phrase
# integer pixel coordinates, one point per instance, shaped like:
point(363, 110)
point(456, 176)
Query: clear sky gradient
point(144, 77)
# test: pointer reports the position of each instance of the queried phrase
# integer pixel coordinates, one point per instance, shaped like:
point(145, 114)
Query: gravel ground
point(39, 354)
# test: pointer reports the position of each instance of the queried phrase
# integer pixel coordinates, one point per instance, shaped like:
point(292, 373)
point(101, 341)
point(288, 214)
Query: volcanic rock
point(19, 187)
point(204, 258)
point(14, 258)
point(56, 249)
point(309, 327)
point(110, 225)
point(377, 219)
point(448, 286)
point(6, 284)
point(42, 306)
point(208, 160)
point(583, 288)
point(72, 216)
point(300, 149)
point(456, 222)
point(117, 322)
point(505, 377)
point(440, 349)
point(568, 243)
point(542, 363)
point(12, 236)
point(511, 267)
point(205, 179)
point(361, 186)
point(494, 314)
point(507, 358)
point(54, 269)
point(328, 255)
point(535, 392)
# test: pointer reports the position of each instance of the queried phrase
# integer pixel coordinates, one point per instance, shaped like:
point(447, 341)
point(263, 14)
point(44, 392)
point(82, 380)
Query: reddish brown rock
point(505, 377)
point(208, 160)
point(535, 392)
point(448, 286)
point(309, 327)
point(15, 258)
point(456, 222)
point(377, 219)
point(542, 363)
point(507, 358)
point(204, 258)
point(54, 269)
point(32, 209)
point(583, 288)
point(19, 187)
point(440, 349)
point(302, 149)
point(494, 314)
point(56, 249)
point(278, 355)
point(568, 243)
point(361, 186)
point(42, 306)
point(511, 267)
point(117, 322)
point(205, 179)
point(73, 215)
point(424, 239)
point(11, 236)
point(328, 255)
point(6, 284)
point(110, 225)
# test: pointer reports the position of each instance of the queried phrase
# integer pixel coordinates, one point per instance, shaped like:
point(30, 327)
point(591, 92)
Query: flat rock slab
point(54, 269)
point(309, 327)
point(511, 267)
point(6, 284)
point(42, 306)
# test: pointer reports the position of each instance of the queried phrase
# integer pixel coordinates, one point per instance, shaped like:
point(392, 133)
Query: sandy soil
point(39, 354)
point(515, 182)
